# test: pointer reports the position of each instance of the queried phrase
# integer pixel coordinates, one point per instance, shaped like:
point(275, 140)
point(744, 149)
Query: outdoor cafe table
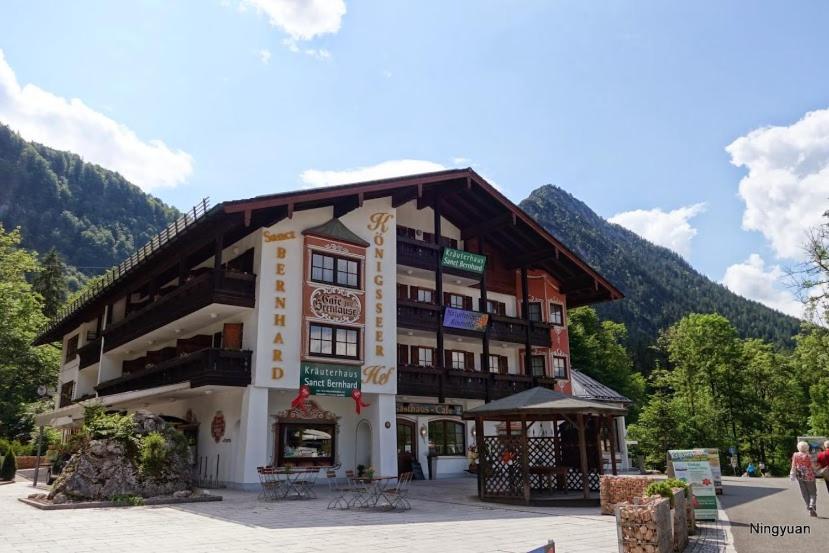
point(296, 482)
point(368, 491)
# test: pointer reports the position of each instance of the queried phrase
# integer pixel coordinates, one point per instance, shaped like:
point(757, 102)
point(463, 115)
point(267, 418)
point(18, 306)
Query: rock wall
point(104, 468)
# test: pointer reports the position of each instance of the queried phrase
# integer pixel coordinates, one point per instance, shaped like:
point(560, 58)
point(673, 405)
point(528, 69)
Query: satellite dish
point(41, 390)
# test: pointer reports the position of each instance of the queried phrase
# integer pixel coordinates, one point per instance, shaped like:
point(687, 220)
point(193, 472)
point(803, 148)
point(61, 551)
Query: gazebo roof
point(540, 402)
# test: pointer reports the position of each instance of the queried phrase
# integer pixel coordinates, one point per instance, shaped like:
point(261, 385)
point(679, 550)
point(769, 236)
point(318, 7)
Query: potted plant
point(369, 472)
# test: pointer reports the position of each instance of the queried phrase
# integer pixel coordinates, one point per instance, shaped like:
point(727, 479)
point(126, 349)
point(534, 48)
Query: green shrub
point(154, 454)
point(677, 483)
point(4, 446)
point(660, 488)
point(127, 500)
point(100, 425)
point(9, 466)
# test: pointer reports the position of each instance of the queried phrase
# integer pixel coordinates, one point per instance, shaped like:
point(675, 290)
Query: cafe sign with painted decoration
point(463, 261)
point(334, 304)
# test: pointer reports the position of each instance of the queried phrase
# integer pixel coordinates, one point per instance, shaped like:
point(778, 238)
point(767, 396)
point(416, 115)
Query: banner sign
point(465, 320)
point(441, 409)
point(463, 261)
point(330, 380)
point(716, 470)
point(693, 466)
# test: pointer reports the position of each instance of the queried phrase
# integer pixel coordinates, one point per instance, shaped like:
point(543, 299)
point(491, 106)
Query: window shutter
point(415, 355)
point(502, 308)
point(434, 357)
point(470, 360)
point(402, 354)
point(447, 358)
point(402, 291)
point(446, 298)
point(502, 364)
point(467, 303)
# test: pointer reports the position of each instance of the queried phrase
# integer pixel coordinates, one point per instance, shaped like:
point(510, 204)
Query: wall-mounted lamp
point(423, 432)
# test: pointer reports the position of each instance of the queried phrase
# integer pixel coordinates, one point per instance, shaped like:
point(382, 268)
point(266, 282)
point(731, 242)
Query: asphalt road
point(774, 501)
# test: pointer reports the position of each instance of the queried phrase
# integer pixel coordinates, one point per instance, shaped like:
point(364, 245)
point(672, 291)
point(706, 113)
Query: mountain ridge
point(659, 285)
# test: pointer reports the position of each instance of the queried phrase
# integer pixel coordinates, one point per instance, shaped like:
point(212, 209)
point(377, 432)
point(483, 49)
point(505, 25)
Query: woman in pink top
point(804, 472)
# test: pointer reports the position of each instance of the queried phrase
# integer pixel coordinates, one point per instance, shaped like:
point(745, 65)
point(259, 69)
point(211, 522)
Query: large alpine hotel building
point(341, 326)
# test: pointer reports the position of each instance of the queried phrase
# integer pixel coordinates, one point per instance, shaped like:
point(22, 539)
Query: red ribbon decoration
point(299, 401)
point(357, 396)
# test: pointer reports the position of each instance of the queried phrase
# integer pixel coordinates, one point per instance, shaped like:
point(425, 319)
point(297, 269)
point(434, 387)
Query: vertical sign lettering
point(279, 304)
point(379, 225)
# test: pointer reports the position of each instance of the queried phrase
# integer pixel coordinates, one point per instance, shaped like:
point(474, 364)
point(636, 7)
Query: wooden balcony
point(426, 381)
point(425, 255)
point(89, 353)
point(230, 288)
point(211, 366)
point(511, 329)
point(425, 316)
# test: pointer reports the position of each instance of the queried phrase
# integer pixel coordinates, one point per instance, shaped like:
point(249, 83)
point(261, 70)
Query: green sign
point(463, 261)
point(330, 380)
point(693, 466)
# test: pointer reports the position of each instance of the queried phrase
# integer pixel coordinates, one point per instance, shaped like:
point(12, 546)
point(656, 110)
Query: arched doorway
point(362, 444)
point(406, 445)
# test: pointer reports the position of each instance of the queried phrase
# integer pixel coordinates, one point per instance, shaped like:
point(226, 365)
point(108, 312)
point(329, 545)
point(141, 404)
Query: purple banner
point(465, 320)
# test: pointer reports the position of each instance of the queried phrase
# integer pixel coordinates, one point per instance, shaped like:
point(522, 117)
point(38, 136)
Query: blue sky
point(628, 105)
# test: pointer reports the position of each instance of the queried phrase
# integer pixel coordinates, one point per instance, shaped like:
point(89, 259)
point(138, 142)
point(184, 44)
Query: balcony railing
point(426, 381)
point(89, 353)
point(424, 255)
point(511, 329)
point(211, 366)
point(229, 288)
point(425, 316)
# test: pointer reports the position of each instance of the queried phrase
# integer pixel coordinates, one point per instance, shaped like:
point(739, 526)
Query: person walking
point(823, 464)
point(803, 471)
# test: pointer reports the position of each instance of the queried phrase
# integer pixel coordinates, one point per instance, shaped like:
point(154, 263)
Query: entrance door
point(406, 445)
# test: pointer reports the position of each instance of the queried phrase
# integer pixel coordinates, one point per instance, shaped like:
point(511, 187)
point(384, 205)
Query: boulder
point(104, 468)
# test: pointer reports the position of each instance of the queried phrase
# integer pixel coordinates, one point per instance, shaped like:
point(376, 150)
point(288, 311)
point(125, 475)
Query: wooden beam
point(525, 312)
point(599, 456)
point(347, 205)
point(530, 258)
point(479, 443)
point(525, 460)
point(488, 225)
point(612, 428)
point(583, 456)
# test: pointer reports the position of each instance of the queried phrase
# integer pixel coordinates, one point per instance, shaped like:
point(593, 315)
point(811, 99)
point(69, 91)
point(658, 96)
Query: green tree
point(50, 283)
point(22, 367)
point(597, 349)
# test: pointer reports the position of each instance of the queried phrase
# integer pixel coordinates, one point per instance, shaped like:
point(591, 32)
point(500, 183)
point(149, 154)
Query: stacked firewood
point(645, 526)
point(618, 489)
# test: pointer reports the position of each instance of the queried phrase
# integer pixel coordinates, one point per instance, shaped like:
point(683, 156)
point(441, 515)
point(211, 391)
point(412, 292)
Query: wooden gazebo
point(513, 466)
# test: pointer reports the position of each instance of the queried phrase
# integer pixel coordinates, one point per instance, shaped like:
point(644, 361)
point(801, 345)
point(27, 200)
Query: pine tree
point(50, 283)
point(9, 466)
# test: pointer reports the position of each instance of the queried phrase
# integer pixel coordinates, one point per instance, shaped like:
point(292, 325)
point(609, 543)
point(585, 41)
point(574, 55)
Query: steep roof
point(589, 388)
point(336, 230)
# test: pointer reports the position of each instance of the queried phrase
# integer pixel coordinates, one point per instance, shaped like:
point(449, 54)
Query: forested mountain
point(660, 287)
point(93, 217)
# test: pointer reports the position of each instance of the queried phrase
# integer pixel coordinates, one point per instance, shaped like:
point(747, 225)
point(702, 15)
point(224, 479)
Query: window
point(559, 367)
point(458, 359)
point(425, 357)
point(307, 441)
point(334, 341)
point(535, 311)
point(456, 301)
point(448, 437)
point(498, 364)
point(71, 348)
point(557, 314)
point(424, 295)
point(496, 307)
point(335, 270)
point(537, 365)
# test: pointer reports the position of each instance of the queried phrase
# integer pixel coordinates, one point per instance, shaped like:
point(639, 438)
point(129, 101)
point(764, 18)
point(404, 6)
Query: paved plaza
point(444, 517)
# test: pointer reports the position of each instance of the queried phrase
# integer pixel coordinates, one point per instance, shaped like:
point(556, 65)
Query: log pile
point(645, 527)
point(680, 520)
point(619, 489)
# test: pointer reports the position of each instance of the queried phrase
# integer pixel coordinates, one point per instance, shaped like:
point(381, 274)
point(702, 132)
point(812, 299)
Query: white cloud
point(69, 124)
point(665, 228)
point(752, 280)
point(384, 170)
point(301, 20)
point(264, 55)
point(461, 161)
point(786, 189)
